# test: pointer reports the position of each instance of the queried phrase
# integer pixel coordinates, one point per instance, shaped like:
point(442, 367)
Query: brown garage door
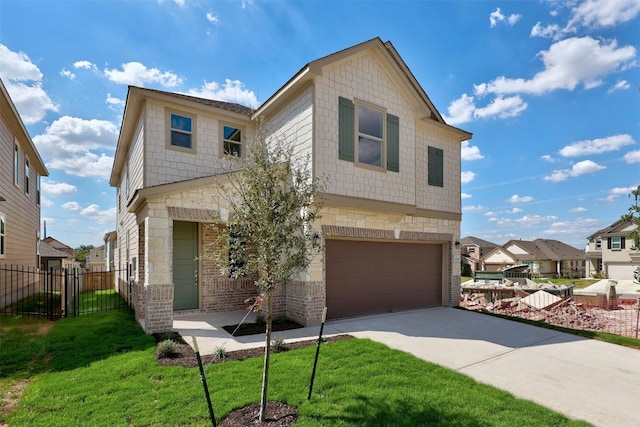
point(379, 277)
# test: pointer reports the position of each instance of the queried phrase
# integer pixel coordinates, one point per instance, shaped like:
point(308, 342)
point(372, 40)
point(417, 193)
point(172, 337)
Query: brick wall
point(158, 308)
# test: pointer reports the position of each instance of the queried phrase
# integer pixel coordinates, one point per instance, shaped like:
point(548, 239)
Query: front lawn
point(101, 370)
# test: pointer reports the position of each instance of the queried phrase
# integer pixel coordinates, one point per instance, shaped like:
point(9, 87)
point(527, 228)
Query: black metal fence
point(52, 294)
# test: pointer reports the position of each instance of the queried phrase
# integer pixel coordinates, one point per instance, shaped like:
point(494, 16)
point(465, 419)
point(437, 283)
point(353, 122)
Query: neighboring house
point(547, 257)
point(473, 250)
point(608, 252)
point(392, 207)
point(52, 258)
point(110, 244)
point(96, 259)
point(57, 255)
point(20, 170)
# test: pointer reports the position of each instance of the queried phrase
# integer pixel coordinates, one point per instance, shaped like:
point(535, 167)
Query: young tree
point(273, 204)
point(633, 216)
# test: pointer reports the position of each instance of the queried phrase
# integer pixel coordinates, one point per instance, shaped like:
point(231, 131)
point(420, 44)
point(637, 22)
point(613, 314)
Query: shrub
point(220, 352)
point(277, 344)
point(166, 348)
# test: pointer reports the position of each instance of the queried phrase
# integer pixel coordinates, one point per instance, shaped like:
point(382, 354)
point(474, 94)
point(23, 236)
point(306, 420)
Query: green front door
point(185, 265)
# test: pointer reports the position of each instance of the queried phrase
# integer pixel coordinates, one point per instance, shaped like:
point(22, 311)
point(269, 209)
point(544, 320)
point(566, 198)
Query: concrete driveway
point(580, 378)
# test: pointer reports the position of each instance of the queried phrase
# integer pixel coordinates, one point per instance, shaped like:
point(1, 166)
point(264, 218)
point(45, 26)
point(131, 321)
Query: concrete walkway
point(580, 378)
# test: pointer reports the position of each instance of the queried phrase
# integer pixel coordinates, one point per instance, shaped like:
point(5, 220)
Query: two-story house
point(391, 210)
point(608, 252)
point(96, 259)
point(20, 170)
point(473, 250)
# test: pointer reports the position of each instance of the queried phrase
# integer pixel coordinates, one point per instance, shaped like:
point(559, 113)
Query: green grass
point(100, 370)
point(92, 301)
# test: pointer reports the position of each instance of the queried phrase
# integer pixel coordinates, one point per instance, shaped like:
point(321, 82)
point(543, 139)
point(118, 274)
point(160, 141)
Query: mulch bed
point(278, 414)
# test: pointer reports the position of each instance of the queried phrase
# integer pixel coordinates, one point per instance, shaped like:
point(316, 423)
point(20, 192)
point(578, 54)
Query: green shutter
point(393, 143)
point(346, 129)
point(436, 167)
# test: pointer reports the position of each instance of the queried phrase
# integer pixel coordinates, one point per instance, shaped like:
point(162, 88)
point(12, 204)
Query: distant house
point(56, 255)
point(473, 249)
point(545, 257)
point(110, 245)
point(52, 258)
point(96, 259)
point(608, 252)
point(20, 170)
point(392, 206)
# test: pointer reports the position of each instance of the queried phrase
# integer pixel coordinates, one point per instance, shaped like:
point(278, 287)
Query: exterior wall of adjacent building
point(21, 208)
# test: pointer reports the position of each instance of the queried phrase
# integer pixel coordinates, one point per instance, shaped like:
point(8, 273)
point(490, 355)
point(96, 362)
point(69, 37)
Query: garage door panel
point(378, 277)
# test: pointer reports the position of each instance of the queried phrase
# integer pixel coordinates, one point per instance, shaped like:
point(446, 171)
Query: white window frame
point(616, 243)
point(3, 235)
point(16, 164)
point(192, 134)
point(27, 171)
point(358, 103)
point(242, 140)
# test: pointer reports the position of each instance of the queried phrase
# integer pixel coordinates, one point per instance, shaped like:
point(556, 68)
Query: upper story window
point(16, 164)
point(616, 243)
point(181, 131)
point(598, 244)
point(232, 141)
point(371, 141)
point(471, 250)
point(3, 234)
point(26, 175)
point(436, 167)
point(368, 136)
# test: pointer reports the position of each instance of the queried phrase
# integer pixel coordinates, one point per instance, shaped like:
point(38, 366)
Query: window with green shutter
point(436, 167)
point(368, 136)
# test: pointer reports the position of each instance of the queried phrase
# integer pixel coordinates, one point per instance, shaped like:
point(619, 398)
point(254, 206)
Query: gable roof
point(471, 240)
point(48, 251)
point(545, 249)
point(389, 59)
point(136, 97)
point(614, 230)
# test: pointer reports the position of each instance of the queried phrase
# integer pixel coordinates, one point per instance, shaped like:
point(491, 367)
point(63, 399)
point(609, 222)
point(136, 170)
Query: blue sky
point(550, 90)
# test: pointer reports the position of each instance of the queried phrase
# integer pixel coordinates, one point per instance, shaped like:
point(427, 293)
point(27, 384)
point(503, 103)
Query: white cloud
point(71, 206)
point(212, 18)
point(577, 227)
point(514, 211)
point(596, 146)
point(79, 147)
point(632, 157)
point(46, 203)
point(519, 199)
point(99, 216)
point(137, 74)
point(548, 158)
point(603, 13)
point(461, 110)
point(473, 208)
point(23, 81)
point(549, 31)
point(68, 74)
point(470, 152)
point(114, 103)
point(620, 85)
point(85, 65)
point(531, 220)
point(578, 209)
point(496, 17)
point(464, 109)
point(465, 196)
point(231, 91)
point(616, 192)
point(502, 107)
point(567, 64)
point(580, 168)
point(57, 188)
point(467, 176)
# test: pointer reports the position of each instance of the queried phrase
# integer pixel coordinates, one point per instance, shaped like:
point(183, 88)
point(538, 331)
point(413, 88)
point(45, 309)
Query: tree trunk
point(267, 354)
